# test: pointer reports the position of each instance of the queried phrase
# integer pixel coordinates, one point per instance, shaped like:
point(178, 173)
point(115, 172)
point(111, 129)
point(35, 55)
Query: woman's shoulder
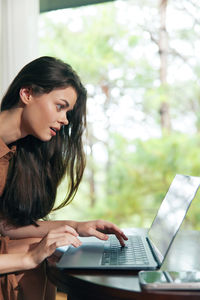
point(5, 150)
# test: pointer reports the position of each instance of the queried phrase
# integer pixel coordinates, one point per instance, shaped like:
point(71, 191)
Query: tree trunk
point(106, 91)
point(92, 183)
point(91, 170)
point(163, 52)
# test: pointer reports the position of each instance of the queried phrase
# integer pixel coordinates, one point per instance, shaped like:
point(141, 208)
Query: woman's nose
point(64, 119)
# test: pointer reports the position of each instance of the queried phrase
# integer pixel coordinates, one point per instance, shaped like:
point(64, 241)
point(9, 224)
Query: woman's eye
point(59, 106)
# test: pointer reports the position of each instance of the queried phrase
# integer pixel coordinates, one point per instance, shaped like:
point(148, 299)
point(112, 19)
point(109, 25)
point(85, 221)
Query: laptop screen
point(172, 212)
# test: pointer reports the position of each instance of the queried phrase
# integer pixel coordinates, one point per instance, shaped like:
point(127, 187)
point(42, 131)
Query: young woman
point(42, 119)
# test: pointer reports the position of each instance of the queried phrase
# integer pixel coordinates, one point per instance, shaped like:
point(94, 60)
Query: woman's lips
point(53, 131)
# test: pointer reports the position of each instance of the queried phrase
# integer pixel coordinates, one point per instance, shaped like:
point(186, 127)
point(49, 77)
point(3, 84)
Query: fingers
point(124, 236)
point(70, 230)
point(110, 228)
point(121, 236)
point(100, 229)
point(49, 243)
point(121, 239)
point(66, 229)
point(104, 237)
point(62, 238)
point(98, 234)
point(67, 240)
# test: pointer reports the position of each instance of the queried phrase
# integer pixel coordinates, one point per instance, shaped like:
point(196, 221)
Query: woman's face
point(44, 115)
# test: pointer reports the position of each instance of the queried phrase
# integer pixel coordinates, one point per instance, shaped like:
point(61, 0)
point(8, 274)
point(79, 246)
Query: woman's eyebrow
point(66, 102)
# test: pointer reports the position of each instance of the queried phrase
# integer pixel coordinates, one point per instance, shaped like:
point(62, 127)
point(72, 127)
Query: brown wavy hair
point(38, 167)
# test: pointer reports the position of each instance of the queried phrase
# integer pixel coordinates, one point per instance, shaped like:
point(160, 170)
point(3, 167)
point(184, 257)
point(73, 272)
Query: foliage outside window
point(140, 63)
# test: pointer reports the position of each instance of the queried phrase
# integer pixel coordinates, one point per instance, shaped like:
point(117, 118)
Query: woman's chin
point(43, 138)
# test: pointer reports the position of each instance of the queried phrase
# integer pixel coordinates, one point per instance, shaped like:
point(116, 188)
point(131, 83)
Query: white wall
point(18, 37)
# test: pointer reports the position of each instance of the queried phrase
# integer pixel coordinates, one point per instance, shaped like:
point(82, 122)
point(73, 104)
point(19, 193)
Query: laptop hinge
point(154, 252)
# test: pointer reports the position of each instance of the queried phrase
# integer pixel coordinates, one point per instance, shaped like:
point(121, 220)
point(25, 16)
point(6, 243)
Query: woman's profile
point(42, 120)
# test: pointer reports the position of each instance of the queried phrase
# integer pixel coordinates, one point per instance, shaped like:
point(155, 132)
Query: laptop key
point(132, 254)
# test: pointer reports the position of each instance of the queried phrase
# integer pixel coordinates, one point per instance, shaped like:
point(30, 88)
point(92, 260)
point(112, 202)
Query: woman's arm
point(29, 253)
point(97, 228)
point(13, 262)
point(100, 229)
point(36, 232)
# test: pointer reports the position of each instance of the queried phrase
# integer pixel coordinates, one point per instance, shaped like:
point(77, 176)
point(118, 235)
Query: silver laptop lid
point(172, 213)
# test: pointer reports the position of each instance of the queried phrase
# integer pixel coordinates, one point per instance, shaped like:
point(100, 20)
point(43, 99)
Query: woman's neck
point(10, 125)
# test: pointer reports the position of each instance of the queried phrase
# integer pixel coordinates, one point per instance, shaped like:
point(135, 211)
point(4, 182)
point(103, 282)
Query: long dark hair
point(38, 167)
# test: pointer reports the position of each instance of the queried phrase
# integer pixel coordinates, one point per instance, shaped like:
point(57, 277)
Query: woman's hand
point(58, 237)
point(100, 229)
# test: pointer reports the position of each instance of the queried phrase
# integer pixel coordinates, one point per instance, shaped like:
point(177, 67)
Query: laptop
point(145, 251)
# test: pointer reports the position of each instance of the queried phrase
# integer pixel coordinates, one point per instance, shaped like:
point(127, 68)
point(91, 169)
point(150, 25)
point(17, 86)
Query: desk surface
point(117, 285)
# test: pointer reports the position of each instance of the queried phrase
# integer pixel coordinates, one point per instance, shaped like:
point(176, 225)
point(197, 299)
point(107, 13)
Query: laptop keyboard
point(132, 254)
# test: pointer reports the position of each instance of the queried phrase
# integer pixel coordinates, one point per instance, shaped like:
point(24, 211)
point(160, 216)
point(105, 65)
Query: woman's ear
point(25, 95)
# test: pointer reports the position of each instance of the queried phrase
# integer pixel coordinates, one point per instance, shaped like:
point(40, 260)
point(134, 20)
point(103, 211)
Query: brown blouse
point(9, 289)
point(19, 285)
point(5, 155)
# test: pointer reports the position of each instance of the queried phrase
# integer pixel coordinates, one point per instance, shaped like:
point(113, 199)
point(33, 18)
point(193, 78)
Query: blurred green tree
point(117, 48)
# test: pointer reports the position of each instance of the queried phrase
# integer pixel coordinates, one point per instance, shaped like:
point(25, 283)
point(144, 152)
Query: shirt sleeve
point(6, 154)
